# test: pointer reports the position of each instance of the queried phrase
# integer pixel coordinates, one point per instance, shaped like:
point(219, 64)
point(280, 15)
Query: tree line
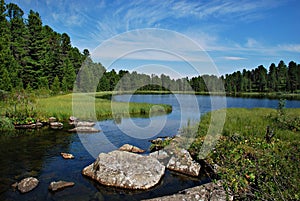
point(34, 56)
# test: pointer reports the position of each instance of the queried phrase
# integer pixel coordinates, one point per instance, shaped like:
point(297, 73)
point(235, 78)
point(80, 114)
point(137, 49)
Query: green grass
point(88, 106)
point(252, 168)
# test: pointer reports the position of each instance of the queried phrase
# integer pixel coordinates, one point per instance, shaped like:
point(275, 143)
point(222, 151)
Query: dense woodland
point(34, 56)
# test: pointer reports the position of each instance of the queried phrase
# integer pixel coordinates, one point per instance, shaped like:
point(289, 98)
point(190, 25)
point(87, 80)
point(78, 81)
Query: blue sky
point(234, 34)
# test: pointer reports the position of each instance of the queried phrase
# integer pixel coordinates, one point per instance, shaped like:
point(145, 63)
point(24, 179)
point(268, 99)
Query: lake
point(37, 153)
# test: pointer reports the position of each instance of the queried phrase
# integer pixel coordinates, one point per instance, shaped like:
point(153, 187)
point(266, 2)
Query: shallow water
point(37, 153)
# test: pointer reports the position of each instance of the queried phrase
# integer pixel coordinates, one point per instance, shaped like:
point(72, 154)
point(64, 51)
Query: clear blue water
point(38, 153)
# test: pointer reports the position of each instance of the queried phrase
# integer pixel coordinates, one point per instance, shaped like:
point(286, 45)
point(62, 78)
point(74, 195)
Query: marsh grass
point(252, 168)
point(61, 107)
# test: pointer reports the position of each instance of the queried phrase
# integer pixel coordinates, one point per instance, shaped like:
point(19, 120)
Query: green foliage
point(55, 88)
point(20, 108)
point(6, 124)
point(252, 168)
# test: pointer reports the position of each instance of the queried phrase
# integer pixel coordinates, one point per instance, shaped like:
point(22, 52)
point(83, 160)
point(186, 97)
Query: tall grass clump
point(252, 167)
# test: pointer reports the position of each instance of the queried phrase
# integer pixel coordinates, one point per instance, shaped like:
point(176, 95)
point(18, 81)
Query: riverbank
point(258, 153)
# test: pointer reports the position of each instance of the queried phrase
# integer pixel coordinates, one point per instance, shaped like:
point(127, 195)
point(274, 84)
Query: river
point(37, 153)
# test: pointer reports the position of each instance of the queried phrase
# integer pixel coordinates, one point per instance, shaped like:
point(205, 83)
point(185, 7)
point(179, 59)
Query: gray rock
point(59, 185)
point(52, 119)
point(206, 192)
point(56, 125)
point(125, 170)
point(84, 123)
point(162, 156)
point(84, 130)
point(131, 148)
point(27, 184)
point(182, 162)
point(39, 124)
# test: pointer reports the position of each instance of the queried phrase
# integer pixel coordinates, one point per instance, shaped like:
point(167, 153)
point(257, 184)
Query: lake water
point(37, 153)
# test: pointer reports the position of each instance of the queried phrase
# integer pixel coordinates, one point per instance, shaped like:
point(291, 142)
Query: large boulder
point(125, 170)
point(178, 161)
point(27, 184)
point(181, 161)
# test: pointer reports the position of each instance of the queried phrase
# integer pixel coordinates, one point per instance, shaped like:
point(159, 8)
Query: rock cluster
point(82, 126)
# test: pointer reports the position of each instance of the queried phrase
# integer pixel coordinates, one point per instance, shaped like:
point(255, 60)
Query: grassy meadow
point(252, 168)
point(61, 107)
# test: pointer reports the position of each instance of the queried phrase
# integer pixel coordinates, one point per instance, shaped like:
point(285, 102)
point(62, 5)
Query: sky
point(186, 37)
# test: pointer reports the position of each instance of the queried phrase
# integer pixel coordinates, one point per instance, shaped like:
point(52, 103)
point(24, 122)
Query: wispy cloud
point(137, 14)
point(289, 47)
point(151, 44)
point(231, 58)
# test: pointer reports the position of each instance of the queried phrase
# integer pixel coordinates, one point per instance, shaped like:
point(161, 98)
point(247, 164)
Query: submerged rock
point(67, 155)
point(59, 185)
point(131, 148)
point(125, 170)
point(181, 161)
point(27, 184)
point(84, 130)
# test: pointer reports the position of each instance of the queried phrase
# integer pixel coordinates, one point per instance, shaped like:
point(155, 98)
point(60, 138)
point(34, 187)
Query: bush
point(6, 124)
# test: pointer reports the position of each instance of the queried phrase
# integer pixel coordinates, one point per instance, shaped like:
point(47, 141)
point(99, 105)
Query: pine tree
point(69, 75)
point(5, 82)
point(35, 57)
point(55, 88)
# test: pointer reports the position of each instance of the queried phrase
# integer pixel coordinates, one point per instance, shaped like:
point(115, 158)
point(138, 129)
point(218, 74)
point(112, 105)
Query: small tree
point(55, 86)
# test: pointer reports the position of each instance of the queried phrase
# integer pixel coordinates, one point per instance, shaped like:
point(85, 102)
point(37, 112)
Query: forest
point(35, 57)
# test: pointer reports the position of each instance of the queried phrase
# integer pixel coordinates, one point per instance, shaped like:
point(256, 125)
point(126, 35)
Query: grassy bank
point(61, 107)
point(252, 168)
point(27, 108)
